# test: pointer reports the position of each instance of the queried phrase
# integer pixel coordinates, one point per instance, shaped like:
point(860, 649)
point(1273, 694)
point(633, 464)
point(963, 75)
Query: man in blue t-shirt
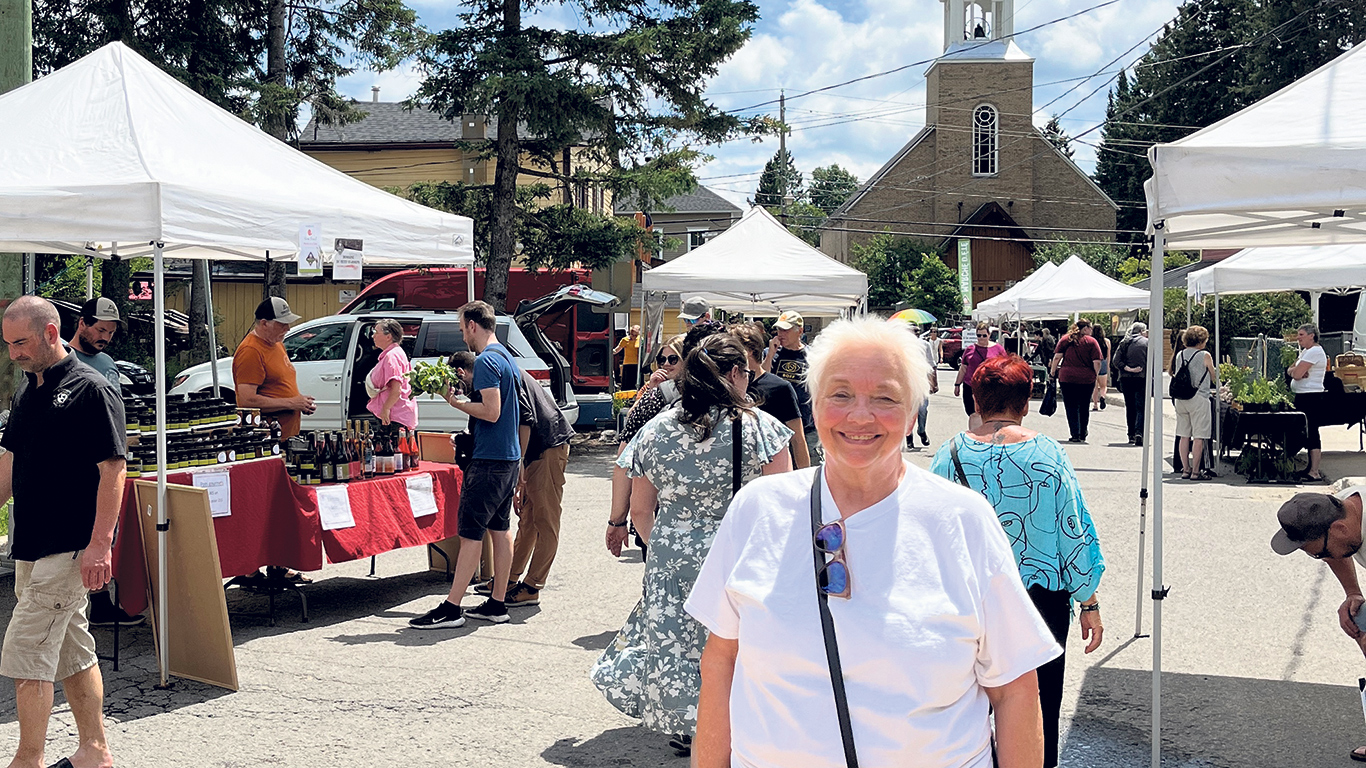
point(491, 478)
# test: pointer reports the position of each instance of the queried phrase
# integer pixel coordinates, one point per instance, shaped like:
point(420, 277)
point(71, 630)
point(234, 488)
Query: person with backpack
point(1076, 363)
point(1194, 376)
point(1131, 367)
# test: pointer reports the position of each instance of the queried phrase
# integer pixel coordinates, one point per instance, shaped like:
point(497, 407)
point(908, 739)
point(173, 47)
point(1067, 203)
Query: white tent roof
point(1303, 268)
point(112, 150)
point(1288, 170)
point(759, 268)
point(1074, 287)
point(1001, 304)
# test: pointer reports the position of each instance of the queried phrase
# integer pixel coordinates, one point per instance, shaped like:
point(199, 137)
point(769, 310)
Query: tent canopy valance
point(1073, 287)
point(759, 268)
point(1284, 171)
point(1322, 268)
point(111, 150)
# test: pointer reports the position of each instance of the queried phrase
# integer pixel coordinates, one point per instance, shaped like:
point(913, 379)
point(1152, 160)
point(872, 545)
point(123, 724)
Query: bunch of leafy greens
point(431, 378)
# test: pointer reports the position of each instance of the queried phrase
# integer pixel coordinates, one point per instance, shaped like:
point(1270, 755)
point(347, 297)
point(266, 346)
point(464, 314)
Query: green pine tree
point(780, 179)
point(830, 187)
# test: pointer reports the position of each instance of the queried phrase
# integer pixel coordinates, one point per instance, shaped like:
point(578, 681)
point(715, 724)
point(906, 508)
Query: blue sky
point(804, 44)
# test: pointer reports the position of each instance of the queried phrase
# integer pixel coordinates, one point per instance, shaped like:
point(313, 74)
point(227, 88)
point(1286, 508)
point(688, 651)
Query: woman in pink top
point(393, 399)
point(972, 357)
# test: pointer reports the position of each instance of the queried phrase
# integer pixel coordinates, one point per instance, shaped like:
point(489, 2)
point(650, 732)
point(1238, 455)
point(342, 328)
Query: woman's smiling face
point(863, 410)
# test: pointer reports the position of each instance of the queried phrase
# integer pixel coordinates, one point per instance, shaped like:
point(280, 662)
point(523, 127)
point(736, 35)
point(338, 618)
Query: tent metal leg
point(208, 320)
point(1154, 444)
point(1218, 422)
point(159, 324)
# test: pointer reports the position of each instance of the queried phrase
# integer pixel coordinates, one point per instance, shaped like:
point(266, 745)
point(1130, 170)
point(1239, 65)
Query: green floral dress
point(651, 670)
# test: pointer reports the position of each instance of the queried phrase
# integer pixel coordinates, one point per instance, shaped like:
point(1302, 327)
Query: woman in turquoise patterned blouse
point(1028, 478)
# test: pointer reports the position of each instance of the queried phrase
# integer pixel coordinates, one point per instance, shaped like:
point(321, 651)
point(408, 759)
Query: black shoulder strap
point(832, 649)
point(737, 454)
point(958, 465)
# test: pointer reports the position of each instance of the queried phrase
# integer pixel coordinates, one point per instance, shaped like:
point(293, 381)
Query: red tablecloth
point(274, 521)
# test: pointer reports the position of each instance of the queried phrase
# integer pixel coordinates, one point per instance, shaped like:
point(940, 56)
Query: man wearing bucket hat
point(694, 310)
point(1328, 527)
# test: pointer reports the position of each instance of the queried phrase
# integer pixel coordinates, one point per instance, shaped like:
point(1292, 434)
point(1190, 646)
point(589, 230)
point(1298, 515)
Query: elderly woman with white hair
point(866, 610)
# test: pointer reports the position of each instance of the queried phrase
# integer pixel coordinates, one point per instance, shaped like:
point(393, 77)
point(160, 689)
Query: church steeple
point(977, 20)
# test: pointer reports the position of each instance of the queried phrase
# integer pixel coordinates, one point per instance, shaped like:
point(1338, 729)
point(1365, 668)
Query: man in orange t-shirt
point(262, 373)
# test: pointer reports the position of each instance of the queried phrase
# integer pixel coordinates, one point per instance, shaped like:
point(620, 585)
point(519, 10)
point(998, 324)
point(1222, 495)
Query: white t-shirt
point(1343, 495)
point(937, 611)
point(1318, 366)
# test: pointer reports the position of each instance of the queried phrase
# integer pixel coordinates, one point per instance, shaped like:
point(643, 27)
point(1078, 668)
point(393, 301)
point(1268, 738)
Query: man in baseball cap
point(276, 309)
point(262, 374)
point(694, 309)
point(787, 360)
point(95, 328)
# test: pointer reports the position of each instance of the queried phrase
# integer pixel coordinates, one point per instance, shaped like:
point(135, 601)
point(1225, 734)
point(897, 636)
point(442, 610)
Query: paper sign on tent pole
point(310, 251)
point(348, 260)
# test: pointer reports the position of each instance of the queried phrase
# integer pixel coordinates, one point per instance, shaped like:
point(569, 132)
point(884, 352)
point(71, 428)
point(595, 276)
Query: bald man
point(64, 466)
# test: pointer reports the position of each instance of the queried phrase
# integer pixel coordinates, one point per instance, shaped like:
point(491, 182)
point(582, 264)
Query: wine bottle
point(325, 467)
point(369, 450)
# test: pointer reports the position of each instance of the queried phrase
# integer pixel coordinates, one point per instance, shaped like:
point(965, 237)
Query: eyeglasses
point(667, 359)
point(1323, 554)
point(834, 577)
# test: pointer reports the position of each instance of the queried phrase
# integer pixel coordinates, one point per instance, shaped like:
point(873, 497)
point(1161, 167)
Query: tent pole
point(1314, 297)
point(208, 319)
point(1188, 310)
point(1155, 444)
point(469, 282)
point(89, 278)
point(1218, 355)
point(159, 321)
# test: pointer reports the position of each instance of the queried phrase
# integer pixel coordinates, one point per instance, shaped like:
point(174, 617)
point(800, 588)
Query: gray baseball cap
point(277, 309)
point(1305, 517)
point(101, 309)
point(694, 308)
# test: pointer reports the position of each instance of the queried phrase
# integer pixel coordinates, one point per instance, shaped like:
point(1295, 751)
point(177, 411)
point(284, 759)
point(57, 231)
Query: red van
point(580, 333)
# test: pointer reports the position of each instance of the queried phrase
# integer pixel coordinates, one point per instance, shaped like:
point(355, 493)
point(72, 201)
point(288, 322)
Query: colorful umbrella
point(917, 316)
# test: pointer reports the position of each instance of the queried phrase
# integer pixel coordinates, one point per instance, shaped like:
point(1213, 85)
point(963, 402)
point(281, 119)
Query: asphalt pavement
point(1255, 670)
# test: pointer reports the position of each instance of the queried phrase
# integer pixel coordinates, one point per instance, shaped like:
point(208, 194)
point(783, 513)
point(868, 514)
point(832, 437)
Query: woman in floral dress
point(682, 461)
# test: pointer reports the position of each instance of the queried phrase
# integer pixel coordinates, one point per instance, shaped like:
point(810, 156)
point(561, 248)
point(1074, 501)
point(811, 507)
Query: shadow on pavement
point(596, 642)
point(622, 746)
point(1212, 722)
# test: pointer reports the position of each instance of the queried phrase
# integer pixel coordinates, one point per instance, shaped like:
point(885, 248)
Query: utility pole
point(782, 153)
point(16, 69)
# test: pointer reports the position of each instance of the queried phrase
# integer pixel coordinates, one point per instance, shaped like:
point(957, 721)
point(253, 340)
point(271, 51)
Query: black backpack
point(1181, 387)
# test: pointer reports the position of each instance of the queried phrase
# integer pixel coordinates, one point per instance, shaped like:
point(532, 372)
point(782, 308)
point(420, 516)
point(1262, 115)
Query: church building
point(979, 178)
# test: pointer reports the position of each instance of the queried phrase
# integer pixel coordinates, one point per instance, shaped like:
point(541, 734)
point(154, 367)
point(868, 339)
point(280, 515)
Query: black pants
point(628, 376)
point(1057, 614)
point(969, 405)
point(1133, 389)
point(1312, 405)
point(1076, 400)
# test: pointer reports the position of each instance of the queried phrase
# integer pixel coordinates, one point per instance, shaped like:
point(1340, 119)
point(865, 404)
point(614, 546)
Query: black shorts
point(486, 497)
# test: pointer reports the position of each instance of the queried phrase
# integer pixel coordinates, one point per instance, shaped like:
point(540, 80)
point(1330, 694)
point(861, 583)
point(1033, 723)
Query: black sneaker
point(489, 610)
point(445, 616)
point(523, 594)
point(924, 438)
point(103, 613)
point(485, 587)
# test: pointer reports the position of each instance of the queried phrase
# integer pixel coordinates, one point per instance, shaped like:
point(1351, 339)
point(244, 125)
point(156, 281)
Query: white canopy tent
point(1318, 269)
point(1289, 170)
point(111, 155)
point(1073, 287)
point(757, 267)
point(1001, 305)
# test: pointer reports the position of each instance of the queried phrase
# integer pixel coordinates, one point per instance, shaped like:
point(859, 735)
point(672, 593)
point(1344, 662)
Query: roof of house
point(700, 200)
point(385, 122)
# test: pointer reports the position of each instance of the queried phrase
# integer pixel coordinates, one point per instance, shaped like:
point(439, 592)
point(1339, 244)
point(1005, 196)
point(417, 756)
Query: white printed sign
point(220, 491)
point(334, 508)
point(348, 260)
point(420, 496)
point(310, 251)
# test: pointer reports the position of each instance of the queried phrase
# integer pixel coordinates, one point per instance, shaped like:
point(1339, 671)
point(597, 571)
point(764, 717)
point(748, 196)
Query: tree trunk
point(503, 214)
point(276, 122)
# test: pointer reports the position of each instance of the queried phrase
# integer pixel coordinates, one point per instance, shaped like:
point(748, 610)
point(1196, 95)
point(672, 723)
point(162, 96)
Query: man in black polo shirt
point(64, 466)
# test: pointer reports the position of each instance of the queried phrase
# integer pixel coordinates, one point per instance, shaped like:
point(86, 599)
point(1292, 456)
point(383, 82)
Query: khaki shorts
point(1193, 418)
point(49, 635)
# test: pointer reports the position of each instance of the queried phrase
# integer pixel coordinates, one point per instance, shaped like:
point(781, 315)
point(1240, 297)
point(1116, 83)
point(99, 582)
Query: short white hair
point(909, 361)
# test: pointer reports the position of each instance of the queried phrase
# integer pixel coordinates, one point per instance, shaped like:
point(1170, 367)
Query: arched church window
point(985, 146)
